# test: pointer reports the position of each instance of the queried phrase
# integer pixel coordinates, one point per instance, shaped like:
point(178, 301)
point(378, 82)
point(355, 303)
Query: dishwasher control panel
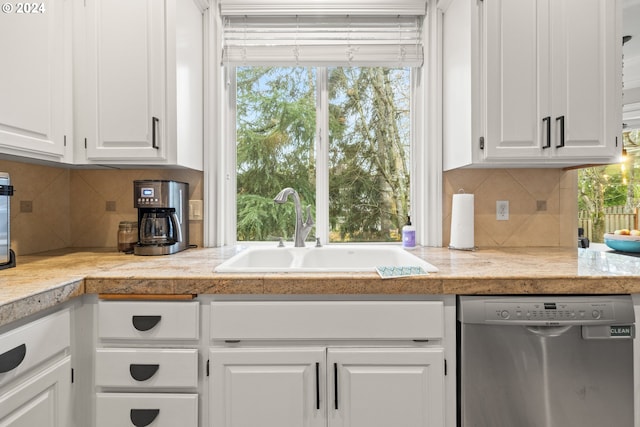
point(560, 311)
point(547, 310)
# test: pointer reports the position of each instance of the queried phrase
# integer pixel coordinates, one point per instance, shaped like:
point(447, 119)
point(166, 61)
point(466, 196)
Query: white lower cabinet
point(282, 387)
point(379, 387)
point(43, 400)
point(148, 321)
point(334, 363)
point(308, 387)
point(146, 409)
point(147, 368)
point(35, 373)
point(146, 364)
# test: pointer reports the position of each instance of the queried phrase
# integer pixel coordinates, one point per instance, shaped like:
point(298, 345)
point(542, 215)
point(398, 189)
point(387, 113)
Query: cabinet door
point(552, 74)
point(42, 400)
point(515, 34)
point(281, 387)
point(386, 387)
point(586, 70)
point(33, 79)
point(126, 74)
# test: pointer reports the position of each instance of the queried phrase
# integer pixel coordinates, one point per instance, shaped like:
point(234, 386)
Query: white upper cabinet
point(531, 83)
point(586, 70)
point(35, 79)
point(141, 101)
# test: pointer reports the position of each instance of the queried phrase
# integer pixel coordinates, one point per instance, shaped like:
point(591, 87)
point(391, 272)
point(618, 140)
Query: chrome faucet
point(302, 229)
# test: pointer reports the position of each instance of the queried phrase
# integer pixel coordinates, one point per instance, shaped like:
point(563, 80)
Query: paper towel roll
point(462, 222)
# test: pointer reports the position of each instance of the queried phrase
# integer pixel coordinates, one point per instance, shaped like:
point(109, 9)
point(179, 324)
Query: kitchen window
point(357, 183)
point(330, 104)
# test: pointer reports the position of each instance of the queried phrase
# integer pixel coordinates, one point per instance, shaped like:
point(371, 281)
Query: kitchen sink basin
point(326, 259)
point(260, 259)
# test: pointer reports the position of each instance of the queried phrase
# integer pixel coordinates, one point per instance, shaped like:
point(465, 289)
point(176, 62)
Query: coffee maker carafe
point(163, 224)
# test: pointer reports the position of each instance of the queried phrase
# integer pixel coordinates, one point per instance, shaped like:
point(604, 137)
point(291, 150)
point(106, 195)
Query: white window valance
point(323, 40)
point(322, 7)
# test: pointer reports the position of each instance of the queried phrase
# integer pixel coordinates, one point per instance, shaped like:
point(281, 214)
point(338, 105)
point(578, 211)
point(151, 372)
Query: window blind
point(323, 40)
point(322, 7)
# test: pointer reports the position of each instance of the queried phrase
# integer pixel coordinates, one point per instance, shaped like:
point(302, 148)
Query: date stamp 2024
point(23, 8)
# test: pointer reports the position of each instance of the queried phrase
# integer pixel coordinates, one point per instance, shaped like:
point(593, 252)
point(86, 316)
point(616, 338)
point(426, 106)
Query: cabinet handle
point(547, 121)
point(11, 359)
point(335, 385)
point(143, 372)
point(154, 125)
point(144, 323)
point(143, 417)
point(561, 119)
point(317, 385)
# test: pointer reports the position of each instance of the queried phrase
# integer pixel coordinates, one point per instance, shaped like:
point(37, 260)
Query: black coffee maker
point(163, 216)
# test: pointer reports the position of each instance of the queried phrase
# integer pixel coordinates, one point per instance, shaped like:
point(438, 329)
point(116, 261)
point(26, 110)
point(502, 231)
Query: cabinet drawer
point(144, 368)
point(142, 409)
point(308, 320)
point(27, 346)
point(148, 320)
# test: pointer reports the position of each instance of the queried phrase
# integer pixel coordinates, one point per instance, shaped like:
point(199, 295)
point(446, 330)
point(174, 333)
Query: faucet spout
point(302, 228)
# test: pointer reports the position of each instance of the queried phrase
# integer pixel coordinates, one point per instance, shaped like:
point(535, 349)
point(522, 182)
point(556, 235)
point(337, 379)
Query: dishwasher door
point(515, 375)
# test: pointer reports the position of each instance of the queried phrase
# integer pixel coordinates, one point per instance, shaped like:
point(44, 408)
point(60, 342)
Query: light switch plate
point(195, 210)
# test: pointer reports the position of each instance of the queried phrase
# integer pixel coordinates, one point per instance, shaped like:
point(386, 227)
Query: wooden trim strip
point(154, 297)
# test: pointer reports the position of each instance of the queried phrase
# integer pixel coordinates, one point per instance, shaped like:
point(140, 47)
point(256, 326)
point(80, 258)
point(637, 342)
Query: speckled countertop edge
point(44, 280)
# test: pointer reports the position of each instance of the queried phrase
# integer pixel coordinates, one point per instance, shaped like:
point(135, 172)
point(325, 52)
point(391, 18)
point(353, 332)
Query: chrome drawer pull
point(143, 417)
point(143, 372)
point(12, 358)
point(144, 323)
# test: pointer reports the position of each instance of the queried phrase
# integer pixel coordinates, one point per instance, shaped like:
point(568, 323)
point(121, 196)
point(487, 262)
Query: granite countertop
point(45, 280)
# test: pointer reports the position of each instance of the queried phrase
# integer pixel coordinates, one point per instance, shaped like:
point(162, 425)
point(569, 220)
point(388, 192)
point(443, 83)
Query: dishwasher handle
point(548, 331)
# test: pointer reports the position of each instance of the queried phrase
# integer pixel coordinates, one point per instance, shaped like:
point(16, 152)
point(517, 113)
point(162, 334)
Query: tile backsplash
point(81, 207)
point(47, 225)
point(543, 207)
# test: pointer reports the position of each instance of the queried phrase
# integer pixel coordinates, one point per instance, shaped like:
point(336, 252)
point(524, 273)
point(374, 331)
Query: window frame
point(321, 156)
point(219, 225)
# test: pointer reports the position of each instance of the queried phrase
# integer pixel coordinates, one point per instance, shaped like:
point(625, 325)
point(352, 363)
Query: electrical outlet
point(502, 210)
point(26, 206)
point(195, 210)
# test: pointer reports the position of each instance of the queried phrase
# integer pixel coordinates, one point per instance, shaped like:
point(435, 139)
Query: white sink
point(259, 259)
point(327, 259)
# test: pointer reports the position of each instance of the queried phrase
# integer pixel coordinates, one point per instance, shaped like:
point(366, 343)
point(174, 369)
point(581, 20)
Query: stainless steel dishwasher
point(545, 361)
